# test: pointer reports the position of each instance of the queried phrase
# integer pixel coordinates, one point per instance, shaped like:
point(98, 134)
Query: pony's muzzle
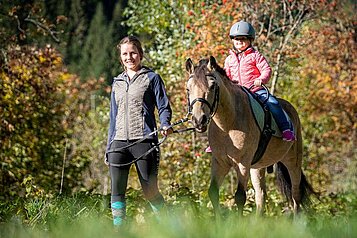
point(200, 123)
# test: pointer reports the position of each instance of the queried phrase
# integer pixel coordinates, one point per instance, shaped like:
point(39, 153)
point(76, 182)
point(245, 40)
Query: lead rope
point(147, 136)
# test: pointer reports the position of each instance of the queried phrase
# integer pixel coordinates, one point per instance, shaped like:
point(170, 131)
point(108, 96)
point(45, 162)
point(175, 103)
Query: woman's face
point(241, 42)
point(130, 57)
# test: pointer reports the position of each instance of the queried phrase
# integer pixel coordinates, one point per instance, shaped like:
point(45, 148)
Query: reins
point(267, 91)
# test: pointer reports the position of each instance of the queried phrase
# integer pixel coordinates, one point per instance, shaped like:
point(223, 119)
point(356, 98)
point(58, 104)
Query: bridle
point(213, 107)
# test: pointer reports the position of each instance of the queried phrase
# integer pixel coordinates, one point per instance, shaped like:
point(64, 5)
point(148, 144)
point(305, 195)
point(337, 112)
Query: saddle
point(265, 122)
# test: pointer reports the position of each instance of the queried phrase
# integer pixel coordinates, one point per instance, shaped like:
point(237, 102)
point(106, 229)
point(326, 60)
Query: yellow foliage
point(39, 103)
point(330, 68)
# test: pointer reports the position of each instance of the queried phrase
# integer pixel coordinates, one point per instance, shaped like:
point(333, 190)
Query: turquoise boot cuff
point(118, 212)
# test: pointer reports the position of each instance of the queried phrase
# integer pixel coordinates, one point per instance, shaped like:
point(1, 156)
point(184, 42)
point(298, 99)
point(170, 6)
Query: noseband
point(212, 107)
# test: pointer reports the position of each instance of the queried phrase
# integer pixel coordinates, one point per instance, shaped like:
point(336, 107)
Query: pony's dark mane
point(200, 73)
point(221, 71)
point(201, 70)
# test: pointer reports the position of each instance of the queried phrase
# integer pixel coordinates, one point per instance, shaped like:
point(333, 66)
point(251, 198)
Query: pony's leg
point(289, 175)
point(240, 196)
point(258, 180)
point(295, 176)
point(218, 172)
point(293, 162)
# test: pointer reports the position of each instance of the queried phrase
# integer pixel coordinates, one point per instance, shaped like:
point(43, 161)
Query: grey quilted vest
point(129, 98)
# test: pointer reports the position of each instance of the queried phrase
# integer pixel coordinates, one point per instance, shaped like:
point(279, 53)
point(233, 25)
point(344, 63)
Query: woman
point(135, 94)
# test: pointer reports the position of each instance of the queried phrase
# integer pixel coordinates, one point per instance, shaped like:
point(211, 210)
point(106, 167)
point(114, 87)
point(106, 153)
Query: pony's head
point(202, 91)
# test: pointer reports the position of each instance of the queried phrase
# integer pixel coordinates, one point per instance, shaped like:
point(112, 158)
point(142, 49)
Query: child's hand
point(258, 82)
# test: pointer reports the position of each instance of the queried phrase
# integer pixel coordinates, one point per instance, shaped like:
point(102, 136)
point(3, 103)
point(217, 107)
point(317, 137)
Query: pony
point(216, 104)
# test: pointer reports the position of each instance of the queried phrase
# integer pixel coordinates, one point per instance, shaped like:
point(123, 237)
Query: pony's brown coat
point(233, 135)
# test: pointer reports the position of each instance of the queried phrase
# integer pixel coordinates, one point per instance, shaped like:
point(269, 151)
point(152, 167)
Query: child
point(247, 67)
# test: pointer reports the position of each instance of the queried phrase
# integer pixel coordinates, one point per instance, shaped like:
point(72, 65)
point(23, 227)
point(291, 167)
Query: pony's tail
point(284, 184)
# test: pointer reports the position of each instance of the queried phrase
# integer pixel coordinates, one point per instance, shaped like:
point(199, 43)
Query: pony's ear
point(189, 66)
point(212, 64)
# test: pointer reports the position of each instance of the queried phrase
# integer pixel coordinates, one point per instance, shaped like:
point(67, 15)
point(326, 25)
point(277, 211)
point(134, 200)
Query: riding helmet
point(242, 28)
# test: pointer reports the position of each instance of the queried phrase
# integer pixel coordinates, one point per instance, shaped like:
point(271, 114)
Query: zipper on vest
point(126, 118)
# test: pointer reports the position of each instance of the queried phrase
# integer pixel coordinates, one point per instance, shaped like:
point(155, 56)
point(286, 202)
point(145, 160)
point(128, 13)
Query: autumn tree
point(95, 49)
point(29, 102)
point(40, 104)
point(325, 83)
point(75, 35)
point(118, 30)
point(276, 23)
point(41, 107)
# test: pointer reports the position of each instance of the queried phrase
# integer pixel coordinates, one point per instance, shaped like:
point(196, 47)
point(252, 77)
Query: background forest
point(58, 59)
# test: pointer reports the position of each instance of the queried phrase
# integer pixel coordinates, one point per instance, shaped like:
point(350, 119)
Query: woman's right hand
point(166, 131)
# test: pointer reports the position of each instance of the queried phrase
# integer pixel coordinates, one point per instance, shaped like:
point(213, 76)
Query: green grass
point(89, 216)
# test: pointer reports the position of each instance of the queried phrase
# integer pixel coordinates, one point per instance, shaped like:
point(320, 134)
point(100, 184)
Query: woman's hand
point(106, 162)
point(166, 131)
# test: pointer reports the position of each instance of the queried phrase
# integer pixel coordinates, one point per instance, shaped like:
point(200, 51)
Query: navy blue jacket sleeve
point(112, 118)
point(162, 101)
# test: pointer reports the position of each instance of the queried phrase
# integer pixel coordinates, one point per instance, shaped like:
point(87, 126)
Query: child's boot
point(288, 135)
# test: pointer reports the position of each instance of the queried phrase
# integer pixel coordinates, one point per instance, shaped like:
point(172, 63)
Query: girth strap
point(266, 132)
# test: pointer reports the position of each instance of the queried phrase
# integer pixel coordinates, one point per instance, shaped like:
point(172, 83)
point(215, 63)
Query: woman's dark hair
point(132, 40)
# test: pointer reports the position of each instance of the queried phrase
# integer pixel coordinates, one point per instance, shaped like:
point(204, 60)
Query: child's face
point(241, 42)
point(130, 57)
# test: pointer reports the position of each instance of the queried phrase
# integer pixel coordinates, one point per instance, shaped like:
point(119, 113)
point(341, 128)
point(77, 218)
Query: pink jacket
point(246, 67)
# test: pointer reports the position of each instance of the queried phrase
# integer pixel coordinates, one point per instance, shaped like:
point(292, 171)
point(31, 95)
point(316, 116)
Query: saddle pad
point(258, 112)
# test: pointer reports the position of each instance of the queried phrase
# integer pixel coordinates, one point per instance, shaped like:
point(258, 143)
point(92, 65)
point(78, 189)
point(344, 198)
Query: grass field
point(187, 226)
point(89, 216)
